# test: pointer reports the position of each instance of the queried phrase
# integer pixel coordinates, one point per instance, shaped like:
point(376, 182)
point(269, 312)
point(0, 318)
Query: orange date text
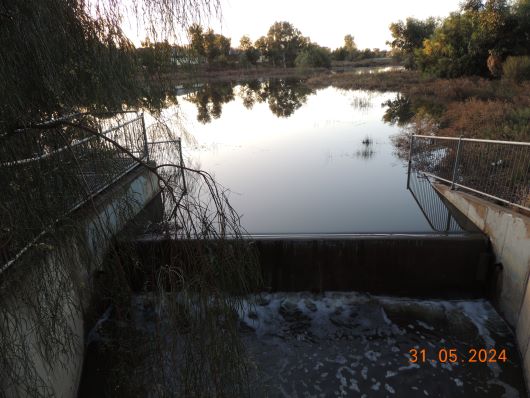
point(452, 355)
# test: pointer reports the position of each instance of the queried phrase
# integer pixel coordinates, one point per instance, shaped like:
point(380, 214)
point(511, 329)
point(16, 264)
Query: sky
point(325, 22)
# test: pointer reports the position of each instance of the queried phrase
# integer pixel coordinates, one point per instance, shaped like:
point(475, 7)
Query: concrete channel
point(344, 315)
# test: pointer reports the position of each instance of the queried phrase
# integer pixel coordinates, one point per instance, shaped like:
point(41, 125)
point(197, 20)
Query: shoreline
point(259, 72)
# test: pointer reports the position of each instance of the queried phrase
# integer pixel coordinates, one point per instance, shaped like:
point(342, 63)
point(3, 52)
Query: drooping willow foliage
point(199, 278)
point(65, 56)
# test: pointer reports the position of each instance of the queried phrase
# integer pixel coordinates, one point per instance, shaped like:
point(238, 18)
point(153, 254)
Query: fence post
point(410, 159)
point(457, 159)
point(146, 147)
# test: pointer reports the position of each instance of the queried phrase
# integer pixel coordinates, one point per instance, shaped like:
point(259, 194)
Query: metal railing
point(498, 170)
point(49, 170)
point(437, 214)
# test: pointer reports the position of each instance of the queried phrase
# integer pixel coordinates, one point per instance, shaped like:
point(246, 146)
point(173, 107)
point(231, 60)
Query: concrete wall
point(452, 266)
point(66, 288)
point(509, 232)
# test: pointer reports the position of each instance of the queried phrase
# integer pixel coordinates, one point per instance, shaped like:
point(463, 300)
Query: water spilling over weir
point(369, 289)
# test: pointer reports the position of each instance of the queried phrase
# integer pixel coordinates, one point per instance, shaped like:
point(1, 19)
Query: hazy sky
point(325, 22)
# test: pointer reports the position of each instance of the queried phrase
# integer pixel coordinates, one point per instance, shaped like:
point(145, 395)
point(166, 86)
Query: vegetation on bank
point(467, 106)
point(475, 40)
point(58, 58)
point(283, 46)
point(469, 74)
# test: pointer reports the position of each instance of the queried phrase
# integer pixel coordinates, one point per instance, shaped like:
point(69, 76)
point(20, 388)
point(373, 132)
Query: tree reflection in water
point(399, 110)
point(209, 100)
point(283, 96)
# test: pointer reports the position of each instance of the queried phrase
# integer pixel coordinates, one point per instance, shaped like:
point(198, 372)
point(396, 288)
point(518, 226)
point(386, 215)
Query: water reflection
point(399, 110)
point(328, 168)
point(283, 96)
point(367, 151)
point(209, 100)
point(437, 214)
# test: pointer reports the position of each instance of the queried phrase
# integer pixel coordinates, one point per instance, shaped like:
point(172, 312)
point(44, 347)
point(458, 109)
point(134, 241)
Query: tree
point(409, 36)
point(283, 42)
point(472, 5)
point(339, 54)
point(474, 41)
point(447, 52)
point(349, 44)
point(249, 54)
point(521, 32)
point(262, 46)
point(314, 56)
point(209, 44)
point(196, 38)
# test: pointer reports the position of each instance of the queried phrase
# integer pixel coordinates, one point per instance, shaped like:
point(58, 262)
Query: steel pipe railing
point(497, 170)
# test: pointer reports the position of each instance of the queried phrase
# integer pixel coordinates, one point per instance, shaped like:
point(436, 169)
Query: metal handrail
point(497, 170)
point(92, 175)
point(471, 140)
point(69, 147)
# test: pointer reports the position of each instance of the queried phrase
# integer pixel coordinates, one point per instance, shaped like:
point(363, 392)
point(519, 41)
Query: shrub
point(517, 68)
point(313, 56)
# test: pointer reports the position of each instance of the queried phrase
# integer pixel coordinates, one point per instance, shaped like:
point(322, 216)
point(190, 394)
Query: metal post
point(146, 146)
point(410, 159)
point(455, 168)
point(448, 226)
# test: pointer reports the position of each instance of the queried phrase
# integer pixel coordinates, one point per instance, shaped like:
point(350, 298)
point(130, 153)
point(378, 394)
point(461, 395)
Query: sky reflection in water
point(323, 162)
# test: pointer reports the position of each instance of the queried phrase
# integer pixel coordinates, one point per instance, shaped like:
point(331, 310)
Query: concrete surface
point(431, 265)
point(69, 289)
point(509, 233)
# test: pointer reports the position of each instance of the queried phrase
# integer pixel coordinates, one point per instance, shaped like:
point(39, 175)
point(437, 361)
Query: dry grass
point(472, 106)
point(474, 118)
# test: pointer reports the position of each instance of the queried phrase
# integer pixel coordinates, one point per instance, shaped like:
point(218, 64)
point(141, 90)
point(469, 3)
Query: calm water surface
point(298, 161)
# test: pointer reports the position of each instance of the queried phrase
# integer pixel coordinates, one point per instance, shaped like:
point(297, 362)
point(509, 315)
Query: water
point(299, 161)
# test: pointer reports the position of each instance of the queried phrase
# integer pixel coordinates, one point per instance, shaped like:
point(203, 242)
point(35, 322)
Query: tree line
point(485, 38)
point(283, 46)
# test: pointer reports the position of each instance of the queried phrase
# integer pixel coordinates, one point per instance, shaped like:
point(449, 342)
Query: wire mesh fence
point(499, 170)
point(431, 205)
point(48, 170)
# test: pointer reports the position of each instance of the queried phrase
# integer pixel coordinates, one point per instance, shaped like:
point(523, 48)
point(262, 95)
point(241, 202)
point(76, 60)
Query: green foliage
point(521, 32)
point(409, 35)
point(58, 58)
point(249, 54)
point(349, 44)
point(55, 56)
point(517, 69)
point(282, 44)
point(348, 52)
point(471, 41)
point(210, 45)
point(196, 37)
point(210, 99)
point(154, 55)
point(313, 56)
point(447, 52)
point(340, 54)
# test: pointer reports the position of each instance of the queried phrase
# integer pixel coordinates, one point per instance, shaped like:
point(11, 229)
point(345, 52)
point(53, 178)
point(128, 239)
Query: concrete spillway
point(407, 265)
point(430, 266)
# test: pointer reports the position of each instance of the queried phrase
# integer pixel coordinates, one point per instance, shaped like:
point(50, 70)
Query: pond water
point(298, 161)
